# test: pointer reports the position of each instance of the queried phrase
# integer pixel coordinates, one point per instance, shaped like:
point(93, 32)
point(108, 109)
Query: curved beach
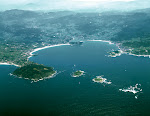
point(31, 53)
point(38, 49)
point(3, 63)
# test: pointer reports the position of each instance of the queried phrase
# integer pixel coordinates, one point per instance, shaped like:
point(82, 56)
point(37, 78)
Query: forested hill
point(22, 31)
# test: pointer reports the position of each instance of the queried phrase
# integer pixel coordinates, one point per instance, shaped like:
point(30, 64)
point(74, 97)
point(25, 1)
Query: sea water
point(65, 95)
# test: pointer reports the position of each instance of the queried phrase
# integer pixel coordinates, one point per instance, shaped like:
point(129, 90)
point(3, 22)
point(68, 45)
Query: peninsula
point(135, 46)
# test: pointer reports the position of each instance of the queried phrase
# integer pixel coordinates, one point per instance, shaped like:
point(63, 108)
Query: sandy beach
point(102, 41)
point(31, 53)
point(1, 63)
point(38, 49)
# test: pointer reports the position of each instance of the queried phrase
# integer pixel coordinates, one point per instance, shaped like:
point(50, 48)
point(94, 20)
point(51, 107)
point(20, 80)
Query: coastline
point(34, 80)
point(56, 45)
point(122, 52)
point(4, 63)
point(38, 49)
point(107, 41)
point(128, 53)
point(51, 76)
point(31, 54)
point(139, 55)
point(110, 42)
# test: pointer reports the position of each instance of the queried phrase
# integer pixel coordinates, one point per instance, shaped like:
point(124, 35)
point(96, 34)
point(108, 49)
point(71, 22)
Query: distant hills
point(22, 31)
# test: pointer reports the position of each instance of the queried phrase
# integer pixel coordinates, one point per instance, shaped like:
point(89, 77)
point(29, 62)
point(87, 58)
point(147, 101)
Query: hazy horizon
point(75, 5)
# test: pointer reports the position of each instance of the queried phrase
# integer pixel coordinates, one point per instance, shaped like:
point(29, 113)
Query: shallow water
point(64, 95)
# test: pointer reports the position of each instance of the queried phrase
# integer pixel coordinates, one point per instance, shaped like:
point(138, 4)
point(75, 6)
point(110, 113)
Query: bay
point(64, 95)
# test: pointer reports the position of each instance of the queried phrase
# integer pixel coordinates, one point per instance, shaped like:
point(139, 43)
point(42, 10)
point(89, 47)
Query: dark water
point(64, 96)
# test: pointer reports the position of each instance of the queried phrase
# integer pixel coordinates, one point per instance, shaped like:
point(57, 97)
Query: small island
point(78, 73)
point(100, 79)
point(133, 89)
point(34, 72)
point(115, 53)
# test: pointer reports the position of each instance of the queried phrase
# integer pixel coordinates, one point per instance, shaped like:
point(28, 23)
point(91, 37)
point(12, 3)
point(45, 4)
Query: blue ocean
point(65, 95)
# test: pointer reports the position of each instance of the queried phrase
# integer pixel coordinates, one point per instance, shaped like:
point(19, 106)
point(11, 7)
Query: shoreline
point(110, 42)
point(31, 53)
point(34, 80)
point(138, 55)
point(4, 63)
point(54, 74)
point(56, 45)
point(122, 51)
point(133, 89)
point(103, 80)
point(128, 53)
point(82, 73)
point(38, 49)
point(107, 41)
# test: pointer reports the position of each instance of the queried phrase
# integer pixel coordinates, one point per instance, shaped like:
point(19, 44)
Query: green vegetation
point(34, 72)
point(115, 53)
point(23, 31)
point(98, 79)
point(78, 73)
point(14, 54)
point(137, 46)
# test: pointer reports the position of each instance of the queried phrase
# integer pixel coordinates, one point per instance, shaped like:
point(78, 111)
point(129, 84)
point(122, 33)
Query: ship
point(76, 42)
